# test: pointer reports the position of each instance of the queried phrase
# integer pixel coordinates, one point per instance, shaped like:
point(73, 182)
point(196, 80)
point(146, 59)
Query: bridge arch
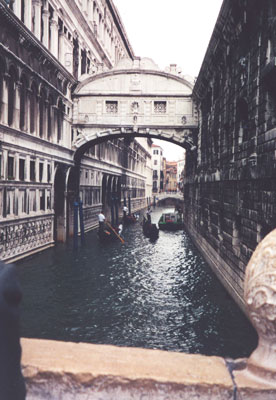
point(186, 138)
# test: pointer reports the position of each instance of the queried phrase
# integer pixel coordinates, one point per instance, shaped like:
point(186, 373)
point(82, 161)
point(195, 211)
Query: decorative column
point(16, 167)
point(17, 8)
point(16, 109)
point(54, 124)
point(37, 18)
point(37, 169)
point(61, 56)
point(45, 19)
point(45, 172)
point(37, 116)
point(90, 11)
point(54, 34)
point(28, 14)
point(5, 164)
point(4, 114)
point(45, 120)
point(28, 159)
point(27, 110)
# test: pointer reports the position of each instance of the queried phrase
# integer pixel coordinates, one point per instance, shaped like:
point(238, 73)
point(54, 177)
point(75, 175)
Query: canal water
point(157, 295)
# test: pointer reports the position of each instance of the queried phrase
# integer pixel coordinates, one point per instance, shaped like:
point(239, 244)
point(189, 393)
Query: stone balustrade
point(59, 370)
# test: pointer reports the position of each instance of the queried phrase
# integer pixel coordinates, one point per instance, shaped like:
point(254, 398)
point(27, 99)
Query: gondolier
point(101, 219)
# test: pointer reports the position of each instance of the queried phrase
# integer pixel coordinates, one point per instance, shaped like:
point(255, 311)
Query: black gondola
point(130, 219)
point(109, 233)
point(150, 230)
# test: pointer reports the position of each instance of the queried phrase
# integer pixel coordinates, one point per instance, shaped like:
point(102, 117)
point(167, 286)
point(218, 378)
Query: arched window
point(23, 97)
point(33, 108)
point(11, 95)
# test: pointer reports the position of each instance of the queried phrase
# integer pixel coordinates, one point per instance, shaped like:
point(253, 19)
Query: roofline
point(131, 71)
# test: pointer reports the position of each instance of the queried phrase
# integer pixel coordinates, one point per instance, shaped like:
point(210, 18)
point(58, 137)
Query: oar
point(113, 230)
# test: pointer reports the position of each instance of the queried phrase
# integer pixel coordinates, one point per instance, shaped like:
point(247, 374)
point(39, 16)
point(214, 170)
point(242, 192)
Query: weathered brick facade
point(230, 188)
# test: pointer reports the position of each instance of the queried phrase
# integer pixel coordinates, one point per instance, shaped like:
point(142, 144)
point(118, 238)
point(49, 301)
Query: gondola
point(130, 219)
point(106, 235)
point(109, 234)
point(150, 230)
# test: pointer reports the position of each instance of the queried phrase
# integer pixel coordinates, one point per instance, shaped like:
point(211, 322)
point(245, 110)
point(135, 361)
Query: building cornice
point(7, 130)
point(157, 95)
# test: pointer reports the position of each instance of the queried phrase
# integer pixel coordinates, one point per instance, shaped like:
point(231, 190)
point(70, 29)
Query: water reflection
point(155, 295)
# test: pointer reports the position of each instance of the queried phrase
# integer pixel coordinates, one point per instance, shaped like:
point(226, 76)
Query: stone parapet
point(59, 370)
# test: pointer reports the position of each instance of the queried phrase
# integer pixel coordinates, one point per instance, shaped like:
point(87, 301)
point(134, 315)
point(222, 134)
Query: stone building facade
point(230, 185)
point(46, 48)
point(157, 169)
point(171, 176)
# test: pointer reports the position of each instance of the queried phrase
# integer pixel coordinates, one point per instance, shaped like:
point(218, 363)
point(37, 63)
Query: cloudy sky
point(170, 32)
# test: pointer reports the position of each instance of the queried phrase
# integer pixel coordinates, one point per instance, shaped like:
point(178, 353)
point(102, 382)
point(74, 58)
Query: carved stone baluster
point(260, 299)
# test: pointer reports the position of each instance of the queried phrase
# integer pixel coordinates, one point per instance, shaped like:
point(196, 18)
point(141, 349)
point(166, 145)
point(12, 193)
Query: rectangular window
point(10, 202)
point(32, 170)
point(48, 200)
point(155, 162)
point(21, 202)
point(21, 169)
point(40, 171)
point(10, 167)
point(32, 202)
point(160, 107)
point(42, 199)
point(111, 107)
point(0, 166)
point(48, 173)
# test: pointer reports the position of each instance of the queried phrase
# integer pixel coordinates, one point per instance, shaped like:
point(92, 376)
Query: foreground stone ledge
point(251, 387)
point(58, 370)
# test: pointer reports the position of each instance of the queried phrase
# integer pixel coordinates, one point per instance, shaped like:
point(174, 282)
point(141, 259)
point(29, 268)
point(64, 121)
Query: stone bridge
point(135, 99)
point(167, 195)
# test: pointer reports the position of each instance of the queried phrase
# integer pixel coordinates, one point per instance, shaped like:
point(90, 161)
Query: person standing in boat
point(125, 211)
point(120, 229)
point(101, 219)
point(149, 214)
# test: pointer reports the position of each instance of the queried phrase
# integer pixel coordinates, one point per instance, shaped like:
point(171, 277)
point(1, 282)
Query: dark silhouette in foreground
point(12, 386)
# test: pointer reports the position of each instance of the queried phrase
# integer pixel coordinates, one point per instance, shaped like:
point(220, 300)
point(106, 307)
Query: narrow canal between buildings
point(154, 295)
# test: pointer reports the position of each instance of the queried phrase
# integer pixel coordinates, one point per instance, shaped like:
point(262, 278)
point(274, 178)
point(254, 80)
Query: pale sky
point(170, 32)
